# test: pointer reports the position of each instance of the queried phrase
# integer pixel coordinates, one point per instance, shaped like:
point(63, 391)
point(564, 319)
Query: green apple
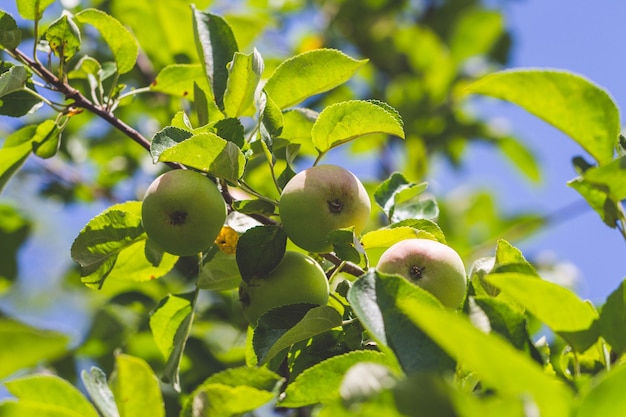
point(183, 212)
point(296, 279)
point(321, 199)
point(435, 267)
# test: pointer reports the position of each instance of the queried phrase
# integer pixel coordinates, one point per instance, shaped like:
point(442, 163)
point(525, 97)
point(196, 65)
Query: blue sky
point(588, 39)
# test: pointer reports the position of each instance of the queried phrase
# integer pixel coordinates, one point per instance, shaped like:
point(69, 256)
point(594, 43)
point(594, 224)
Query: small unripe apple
point(296, 279)
point(435, 267)
point(183, 212)
point(321, 199)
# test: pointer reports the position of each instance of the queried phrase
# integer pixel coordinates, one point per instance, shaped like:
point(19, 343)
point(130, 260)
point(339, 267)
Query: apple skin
point(321, 199)
point(435, 267)
point(296, 279)
point(182, 212)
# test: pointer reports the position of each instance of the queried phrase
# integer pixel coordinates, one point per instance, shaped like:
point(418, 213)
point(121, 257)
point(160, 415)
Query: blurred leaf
point(25, 346)
point(96, 384)
point(558, 307)
point(297, 125)
point(178, 80)
point(216, 47)
point(220, 273)
point(521, 157)
point(605, 396)
point(613, 319)
point(260, 378)
point(254, 206)
point(499, 365)
point(122, 43)
point(10, 34)
point(306, 389)
point(244, 74)
point(136, 388)
point(169, 323)
point(162, 27)
point(259, 250)
point(284, 326)
point(310, 73)
point(64, 37)
point(373, 298)
point(209, 153)
point(14, 230)
point(569, 102)
point(475, 33)
point(48, 395)
point(13, 156)
point(32, 9)
point(342, 122)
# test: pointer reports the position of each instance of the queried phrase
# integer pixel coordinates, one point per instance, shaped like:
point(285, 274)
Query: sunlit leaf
point(26, 346)
point(32, 9)
point(178, 80)
point(122, 43)
point(244, 74)
point(52, 394)
point(306, 388)
point(64, 37)
point(342, 122)
point(136, 388)
point(606, 396)
point(569, 102)
point(222, 400)
point(96, 384)
point(556, 306)
point(613, 319)
point(310, 73)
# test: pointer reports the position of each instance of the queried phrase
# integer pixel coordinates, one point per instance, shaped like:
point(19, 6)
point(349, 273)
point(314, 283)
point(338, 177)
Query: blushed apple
point(296, 279)
point(435, 267)
point(183, 212)
point(321, 199)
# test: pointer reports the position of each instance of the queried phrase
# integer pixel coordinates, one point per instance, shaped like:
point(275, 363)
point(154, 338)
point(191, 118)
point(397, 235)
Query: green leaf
point(10, 34)
point(64, 37)
point(231, 130)
point(558, 307)
point(310, 73)
point(499, 365)
point(46, 390)
point(613, 319)
point(284, 326)
point(136, 388)
point(122, 43)
point(569, 102)
point(244, 74)
point(259, 378)
point(220, 273)
point(476, 33)
point(345, 245)
point(259, 250)
point(523, 159)
point(254, 207)
point(113, 244)
point(209, 153)
point(166, 138)
point(14, 230)
point(597, 196)
point(26, 346)
point(47, 139)
point(387, 193)
point(423, 225)
point(306, 389)
point(511, 259)
point(216, 47)
point(373, 298)
point(297, 125)
point(271, 118)
point(178, 80)
point(606, 396)
point(211, 400)
point(17, 148)
point(342, 122)
point(96, 384)
point(32, 9)
point(384, 238)
point(16, 102)
point(13, 79)
point(169, 323)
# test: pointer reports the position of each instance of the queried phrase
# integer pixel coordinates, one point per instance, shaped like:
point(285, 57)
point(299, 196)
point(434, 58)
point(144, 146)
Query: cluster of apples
point(183, 211)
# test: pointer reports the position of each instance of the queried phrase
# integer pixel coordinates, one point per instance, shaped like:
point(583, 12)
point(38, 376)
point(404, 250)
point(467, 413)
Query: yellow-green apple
point(435, 267)
point(183, 212)
point(297, 278)
point(321, 199)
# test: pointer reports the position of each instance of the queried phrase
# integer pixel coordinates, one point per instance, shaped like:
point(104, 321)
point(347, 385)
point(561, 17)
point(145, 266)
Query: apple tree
point(242, 263)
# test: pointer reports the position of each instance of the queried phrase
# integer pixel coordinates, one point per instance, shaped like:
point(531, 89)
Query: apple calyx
point(416, 272)
point(335, 206)
point(178, 218)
